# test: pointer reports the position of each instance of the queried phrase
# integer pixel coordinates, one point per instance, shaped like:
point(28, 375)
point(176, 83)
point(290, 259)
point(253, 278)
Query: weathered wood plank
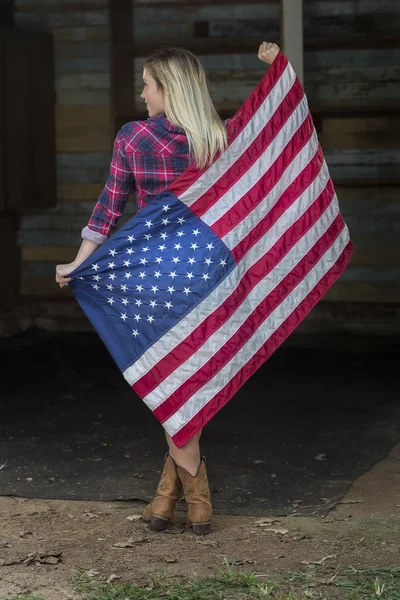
point(83, 159)
point(56, 221)
point(48, 20)
point(315, 27)
point(83, 89)
point(344, 7)
point(311, 8)
point(81, 65)
point(83, 82)
point(190, 3)
point(81, 175)
point(53, 238)
point(359, 132)
point(364, 165)
point(187, 13)
point(369, 199)
point(83, 97)
point(62, 254)
point(75, 35)
point(84, 49)
point(59, 5)
point(45, 288)
point(83, 167)
point(83, 129)
point(376, 253)
point(77, 192)
point(358, 291)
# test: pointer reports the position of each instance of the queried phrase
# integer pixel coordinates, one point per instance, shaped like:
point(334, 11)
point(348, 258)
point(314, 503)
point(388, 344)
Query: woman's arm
point(109, 207)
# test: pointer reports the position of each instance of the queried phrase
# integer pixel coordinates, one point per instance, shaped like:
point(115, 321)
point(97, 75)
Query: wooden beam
point(3, 150)
point(6, 12)
point(292, 34)
point(121, 63)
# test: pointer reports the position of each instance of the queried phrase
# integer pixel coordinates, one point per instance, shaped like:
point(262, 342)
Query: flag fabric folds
point(199, 288)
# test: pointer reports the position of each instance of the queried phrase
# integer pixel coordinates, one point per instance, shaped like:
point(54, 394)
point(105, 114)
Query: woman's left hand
point(268, 51)
point(62, 272)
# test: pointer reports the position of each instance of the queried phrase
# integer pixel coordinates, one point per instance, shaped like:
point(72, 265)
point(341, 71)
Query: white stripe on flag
point(261, 335)
point(183, 328)
point(244, 139)
point(260, 166)
point(298, 164)
point(257, 294)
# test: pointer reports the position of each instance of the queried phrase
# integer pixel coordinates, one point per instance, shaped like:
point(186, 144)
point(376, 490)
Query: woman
point(183, 127)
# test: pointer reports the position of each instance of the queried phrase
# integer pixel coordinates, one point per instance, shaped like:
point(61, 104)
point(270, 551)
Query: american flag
point(198, 289)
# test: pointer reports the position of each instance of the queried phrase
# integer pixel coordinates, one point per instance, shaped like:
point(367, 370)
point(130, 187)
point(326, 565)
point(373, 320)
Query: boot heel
point(158, 523)
point(201, 528)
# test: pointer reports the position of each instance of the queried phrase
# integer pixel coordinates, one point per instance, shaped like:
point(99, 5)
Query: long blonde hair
point(187, 101)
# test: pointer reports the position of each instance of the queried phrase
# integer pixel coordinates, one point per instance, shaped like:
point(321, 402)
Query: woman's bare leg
point(187, 457)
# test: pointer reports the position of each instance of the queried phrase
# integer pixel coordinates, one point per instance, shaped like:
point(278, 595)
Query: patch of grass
point(349, 584)
point(227, 585)
point(355, 584)
point(368, 584)
point(28, 598)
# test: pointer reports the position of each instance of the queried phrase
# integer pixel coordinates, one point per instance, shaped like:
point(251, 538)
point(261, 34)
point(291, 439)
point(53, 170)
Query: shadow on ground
point(291, 441)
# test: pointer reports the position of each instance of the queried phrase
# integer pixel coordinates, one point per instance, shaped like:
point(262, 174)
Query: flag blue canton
point(149, 275)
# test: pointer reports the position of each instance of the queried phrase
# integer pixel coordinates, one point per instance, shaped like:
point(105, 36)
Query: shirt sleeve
point(112, 201)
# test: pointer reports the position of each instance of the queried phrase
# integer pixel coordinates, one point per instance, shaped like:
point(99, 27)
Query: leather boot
point(197, 496)
point(161, 510)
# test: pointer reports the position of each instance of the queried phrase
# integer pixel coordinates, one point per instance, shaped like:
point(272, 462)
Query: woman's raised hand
point(268, 51)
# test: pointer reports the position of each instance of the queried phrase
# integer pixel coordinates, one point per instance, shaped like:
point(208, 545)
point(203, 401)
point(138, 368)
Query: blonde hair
point(187, 101)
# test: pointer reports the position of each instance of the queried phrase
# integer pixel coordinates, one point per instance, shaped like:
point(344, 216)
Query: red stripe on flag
point(250, 326)
point(259, 191)
point(254, 151)
point(289, 196)
point(259, 270)
point(222, 397)
point(238, 122)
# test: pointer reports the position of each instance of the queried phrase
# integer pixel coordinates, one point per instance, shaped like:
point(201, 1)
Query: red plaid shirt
point(147, 157)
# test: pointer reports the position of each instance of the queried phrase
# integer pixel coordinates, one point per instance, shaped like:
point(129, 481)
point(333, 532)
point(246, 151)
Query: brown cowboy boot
point(197, 496)
point(161, 510)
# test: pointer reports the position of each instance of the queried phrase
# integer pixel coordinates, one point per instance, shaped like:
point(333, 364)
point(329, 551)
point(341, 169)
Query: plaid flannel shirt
point(147, 157)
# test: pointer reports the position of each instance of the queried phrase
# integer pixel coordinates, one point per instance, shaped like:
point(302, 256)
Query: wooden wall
point(352, 80)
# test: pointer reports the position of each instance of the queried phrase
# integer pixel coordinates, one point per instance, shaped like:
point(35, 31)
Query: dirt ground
point(43, 541)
